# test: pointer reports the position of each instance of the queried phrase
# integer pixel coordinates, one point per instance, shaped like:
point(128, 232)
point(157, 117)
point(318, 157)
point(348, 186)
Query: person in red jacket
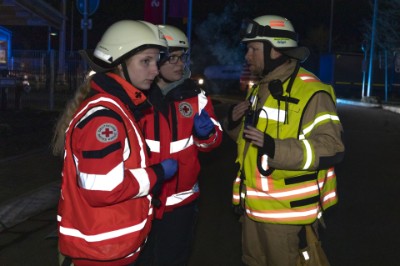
point(180, 124)
point(105, 211)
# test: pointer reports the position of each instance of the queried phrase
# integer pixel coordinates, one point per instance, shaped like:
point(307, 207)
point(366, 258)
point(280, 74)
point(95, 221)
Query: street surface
point(361, 229)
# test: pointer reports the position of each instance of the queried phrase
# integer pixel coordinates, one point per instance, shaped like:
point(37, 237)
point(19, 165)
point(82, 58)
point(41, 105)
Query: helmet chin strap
point(125, 71)
point(271, 64)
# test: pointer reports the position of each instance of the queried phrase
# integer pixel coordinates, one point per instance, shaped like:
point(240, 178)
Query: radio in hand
point(251, 114)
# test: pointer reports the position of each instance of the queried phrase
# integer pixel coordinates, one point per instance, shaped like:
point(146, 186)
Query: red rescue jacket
point(168, 130)
point(105, 209)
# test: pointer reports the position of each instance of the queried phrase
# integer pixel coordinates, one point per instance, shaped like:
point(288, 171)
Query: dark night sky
point(304, 14)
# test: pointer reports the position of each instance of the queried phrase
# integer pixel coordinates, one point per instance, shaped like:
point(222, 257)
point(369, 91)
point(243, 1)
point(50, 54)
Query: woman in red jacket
point(180, 124)
point(105, 208)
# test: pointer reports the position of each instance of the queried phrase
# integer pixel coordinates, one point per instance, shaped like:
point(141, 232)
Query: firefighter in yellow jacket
point(289, 139)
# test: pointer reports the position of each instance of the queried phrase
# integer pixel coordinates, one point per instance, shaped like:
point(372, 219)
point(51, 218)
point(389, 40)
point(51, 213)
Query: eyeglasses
point(173, 59)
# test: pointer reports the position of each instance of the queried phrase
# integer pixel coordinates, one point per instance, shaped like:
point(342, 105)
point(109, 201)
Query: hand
point(170, 166)
point(239, 110)
point(203, 125)
point(254, 135)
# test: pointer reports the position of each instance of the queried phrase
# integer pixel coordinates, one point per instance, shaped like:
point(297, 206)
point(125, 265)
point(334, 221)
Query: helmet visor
point(251, 29)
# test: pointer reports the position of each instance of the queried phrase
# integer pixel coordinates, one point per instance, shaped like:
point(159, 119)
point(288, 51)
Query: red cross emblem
point(185, 109)
point(106, 132)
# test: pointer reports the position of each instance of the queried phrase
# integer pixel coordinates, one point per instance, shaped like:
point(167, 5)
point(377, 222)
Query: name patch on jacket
point(185, 109)
point(106, 132)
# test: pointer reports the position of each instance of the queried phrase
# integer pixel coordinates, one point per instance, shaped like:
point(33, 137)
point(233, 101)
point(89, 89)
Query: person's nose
point(154, 69)
point(247, 56)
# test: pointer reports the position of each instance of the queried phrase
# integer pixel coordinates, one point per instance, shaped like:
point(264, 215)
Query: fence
point(50, 87)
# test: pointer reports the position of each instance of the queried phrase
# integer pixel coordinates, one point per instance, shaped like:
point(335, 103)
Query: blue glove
point(203, 125)
point(169, 166)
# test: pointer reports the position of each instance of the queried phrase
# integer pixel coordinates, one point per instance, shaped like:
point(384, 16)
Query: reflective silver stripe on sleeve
point(99, 182)
point(308, 155)
point(319, 119)
point(142, 178)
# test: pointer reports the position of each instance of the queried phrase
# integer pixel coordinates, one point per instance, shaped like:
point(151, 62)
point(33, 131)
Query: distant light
point(53, 33)
point(251, 83)
point(200, 81)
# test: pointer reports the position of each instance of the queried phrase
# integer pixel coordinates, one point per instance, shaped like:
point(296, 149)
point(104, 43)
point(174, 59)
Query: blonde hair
point(65, 118)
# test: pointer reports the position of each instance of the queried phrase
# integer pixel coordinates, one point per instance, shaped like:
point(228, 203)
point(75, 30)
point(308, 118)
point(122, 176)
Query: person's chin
point(178, 76)
point(145, 85)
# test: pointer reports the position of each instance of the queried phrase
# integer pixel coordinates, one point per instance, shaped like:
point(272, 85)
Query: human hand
point(239, 110)
point(254, 135)
point(203, 124)
point(170, 166)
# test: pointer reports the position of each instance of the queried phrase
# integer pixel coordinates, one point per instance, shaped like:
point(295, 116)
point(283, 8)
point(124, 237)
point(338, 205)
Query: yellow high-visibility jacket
point(300, 178)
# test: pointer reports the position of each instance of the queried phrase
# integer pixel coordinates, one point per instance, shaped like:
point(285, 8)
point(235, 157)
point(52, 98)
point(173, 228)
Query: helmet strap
point(269, 63)
point(125, 71)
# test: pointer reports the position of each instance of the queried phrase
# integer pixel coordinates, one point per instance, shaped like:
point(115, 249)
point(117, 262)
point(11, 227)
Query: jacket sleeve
point(100, 148)
point(231, 127)
point(320, 144)
point(215, 139)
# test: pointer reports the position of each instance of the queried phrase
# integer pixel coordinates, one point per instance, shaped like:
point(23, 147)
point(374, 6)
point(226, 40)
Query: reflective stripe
point(142, 178)
point(316, 121)
point(264, 179)
point(308, 78)
point(236, 197)
point(283, 214)
point(180, 145)
point(175, 146)
point(105, 182)
point(331, 172)
point(179, 197)
point(309, 154)
point(127, 150)
point(153, 145)
point(272, 114)
point(215, 122)
point(329, 196)
point(202, 100)
point(283, 194)
point(103, 236)
point(206, 145)
point(90, 112)
point(107, 235)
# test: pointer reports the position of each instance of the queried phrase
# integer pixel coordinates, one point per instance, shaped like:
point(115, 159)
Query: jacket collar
point(115, 85)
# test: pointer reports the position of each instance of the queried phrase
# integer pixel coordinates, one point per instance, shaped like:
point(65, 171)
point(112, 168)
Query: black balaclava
point(271, 64)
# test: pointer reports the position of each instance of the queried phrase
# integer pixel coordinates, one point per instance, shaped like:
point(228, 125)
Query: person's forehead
point(149, 51)
point(176, 52)
point(254, 44)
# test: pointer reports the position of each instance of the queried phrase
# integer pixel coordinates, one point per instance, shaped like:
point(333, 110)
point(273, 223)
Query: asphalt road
point(361, 229)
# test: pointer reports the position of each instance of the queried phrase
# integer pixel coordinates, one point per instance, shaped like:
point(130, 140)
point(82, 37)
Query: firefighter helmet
point(174, 36)
point(121, 40)
point(278, 31)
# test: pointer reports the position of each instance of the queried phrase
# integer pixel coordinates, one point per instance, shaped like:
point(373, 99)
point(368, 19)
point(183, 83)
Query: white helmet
point(276, 30)
point(174, 36)
point(121, 40)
